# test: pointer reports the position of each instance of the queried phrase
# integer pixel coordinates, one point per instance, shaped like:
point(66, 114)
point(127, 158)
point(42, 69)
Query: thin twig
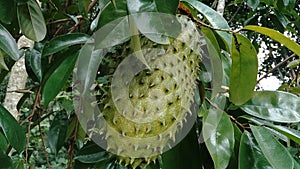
point(236, 12)
point(20, 91)
point(71, 149)
point(231, 117)
point(212, 104)
point(64, 20)
point(36, 102)
point(43, 141)
point(183, 7)
point(276, 67)
point(91, 5)
point(238, 123)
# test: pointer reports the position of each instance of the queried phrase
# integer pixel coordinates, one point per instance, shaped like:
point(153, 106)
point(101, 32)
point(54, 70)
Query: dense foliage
point(236, 126)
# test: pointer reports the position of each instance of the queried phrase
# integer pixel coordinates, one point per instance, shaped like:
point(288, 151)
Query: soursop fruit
point(145, 107)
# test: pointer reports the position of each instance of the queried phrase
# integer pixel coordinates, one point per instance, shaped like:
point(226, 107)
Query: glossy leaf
point(226, 64)
point(138, 6)
point(273, 34)
point(21, 1)
point(19, 163)
point(275, 106)
point(8, 44)
point(215, 60)
point(288, 132)
point(83, 6)
point(218, 134)
point(297, 164)
point(2, 61)
point(8, 11)
point(214, 18)
point(233, 163)
point(114, 33)
point(243, 70)
point(57, 132)
point(155, 26)
point(12, 130)
point(250, 154)
point(112, 12)
point(31, 21)
point(33, 64)
point(87, 67)
point(3, 143)
point(253, 3)
point(64, 41)
point(92, 154)
point(277, 134)
point(184, 155)
point(272, 149)
point(294, 63)
point(58, 78)
point(6, 162)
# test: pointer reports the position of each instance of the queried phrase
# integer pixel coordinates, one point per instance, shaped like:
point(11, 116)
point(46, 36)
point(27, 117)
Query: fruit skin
point(145, 110)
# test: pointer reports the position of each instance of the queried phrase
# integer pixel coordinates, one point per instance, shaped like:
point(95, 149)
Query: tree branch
point(276, 67)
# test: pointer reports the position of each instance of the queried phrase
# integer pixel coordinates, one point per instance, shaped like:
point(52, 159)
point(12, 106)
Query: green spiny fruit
point(146, 106)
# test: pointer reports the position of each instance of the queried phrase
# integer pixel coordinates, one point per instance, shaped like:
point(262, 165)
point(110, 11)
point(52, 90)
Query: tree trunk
point(17, 80)
point(221, 7)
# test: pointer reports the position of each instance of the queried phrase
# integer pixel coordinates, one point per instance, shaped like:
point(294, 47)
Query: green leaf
point(218, 134)
point(87, 67)
point(2, 61)
point(19, 163)
point(138, 6)
point(226, 64)
point(296, 165)
point(250, 154)
point(57, 132)
point(33, 64)
point(8, 44)
point(214, 18)
point(12, 130)
point(287, 132)
point(8, 11)
point(31, 21)
point(114, 33)
point(83, 6)
point(215, 60)
point(285, 2)
point(282, 19)
point(294, 63)
point(3, 143)
point(273, 34)
point(275, 106)
point(21, 1)
point(6, 162)
point(111, 12)
point(274, 152)
point(253, 3)
point(58, 78)
point(184, 155)
point(155, 26)
point(92, 153)
point(64, 41)
point(243, 70)
point(237, 139)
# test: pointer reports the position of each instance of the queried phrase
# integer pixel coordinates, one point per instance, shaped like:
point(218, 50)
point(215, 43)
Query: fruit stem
point(135, 42)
